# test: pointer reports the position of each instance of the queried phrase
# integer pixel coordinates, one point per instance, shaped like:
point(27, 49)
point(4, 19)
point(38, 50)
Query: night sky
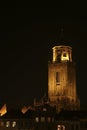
point(26, 40)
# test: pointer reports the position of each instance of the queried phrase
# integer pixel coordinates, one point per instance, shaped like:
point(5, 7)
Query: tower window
point(57, 77)
point(58, 58)
point(64, 54)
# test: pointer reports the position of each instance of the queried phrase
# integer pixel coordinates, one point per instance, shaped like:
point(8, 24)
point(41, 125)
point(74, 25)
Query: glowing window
point(7, 123)
point(37, 119)
point(13, 123)
point(60, 127)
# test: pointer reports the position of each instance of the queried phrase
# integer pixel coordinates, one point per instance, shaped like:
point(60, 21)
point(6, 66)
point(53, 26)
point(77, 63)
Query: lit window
point(37, 119)
point(7, 123)
point(42, 119)
point(65, 56)
point(13, 123)
point(60, 127)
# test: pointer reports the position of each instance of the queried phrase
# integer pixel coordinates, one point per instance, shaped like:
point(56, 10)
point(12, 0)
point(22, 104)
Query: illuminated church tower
point(62, 79)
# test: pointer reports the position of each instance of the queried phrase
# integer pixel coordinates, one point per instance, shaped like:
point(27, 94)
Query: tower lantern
point(62, 54)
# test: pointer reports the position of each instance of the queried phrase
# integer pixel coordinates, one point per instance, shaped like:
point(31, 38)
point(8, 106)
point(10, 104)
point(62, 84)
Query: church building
point(62, 80)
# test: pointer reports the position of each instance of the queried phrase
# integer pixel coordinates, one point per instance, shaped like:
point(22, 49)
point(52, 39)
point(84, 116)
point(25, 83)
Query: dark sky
point(26, 39)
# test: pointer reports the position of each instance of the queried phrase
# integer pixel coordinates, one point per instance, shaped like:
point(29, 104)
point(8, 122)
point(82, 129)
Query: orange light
point(3, 110)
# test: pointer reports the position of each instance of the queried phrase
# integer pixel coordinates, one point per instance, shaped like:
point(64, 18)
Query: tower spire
point(61, 37)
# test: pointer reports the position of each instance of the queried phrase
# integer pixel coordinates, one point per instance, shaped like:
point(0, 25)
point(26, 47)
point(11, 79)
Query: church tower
point(62, 79)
